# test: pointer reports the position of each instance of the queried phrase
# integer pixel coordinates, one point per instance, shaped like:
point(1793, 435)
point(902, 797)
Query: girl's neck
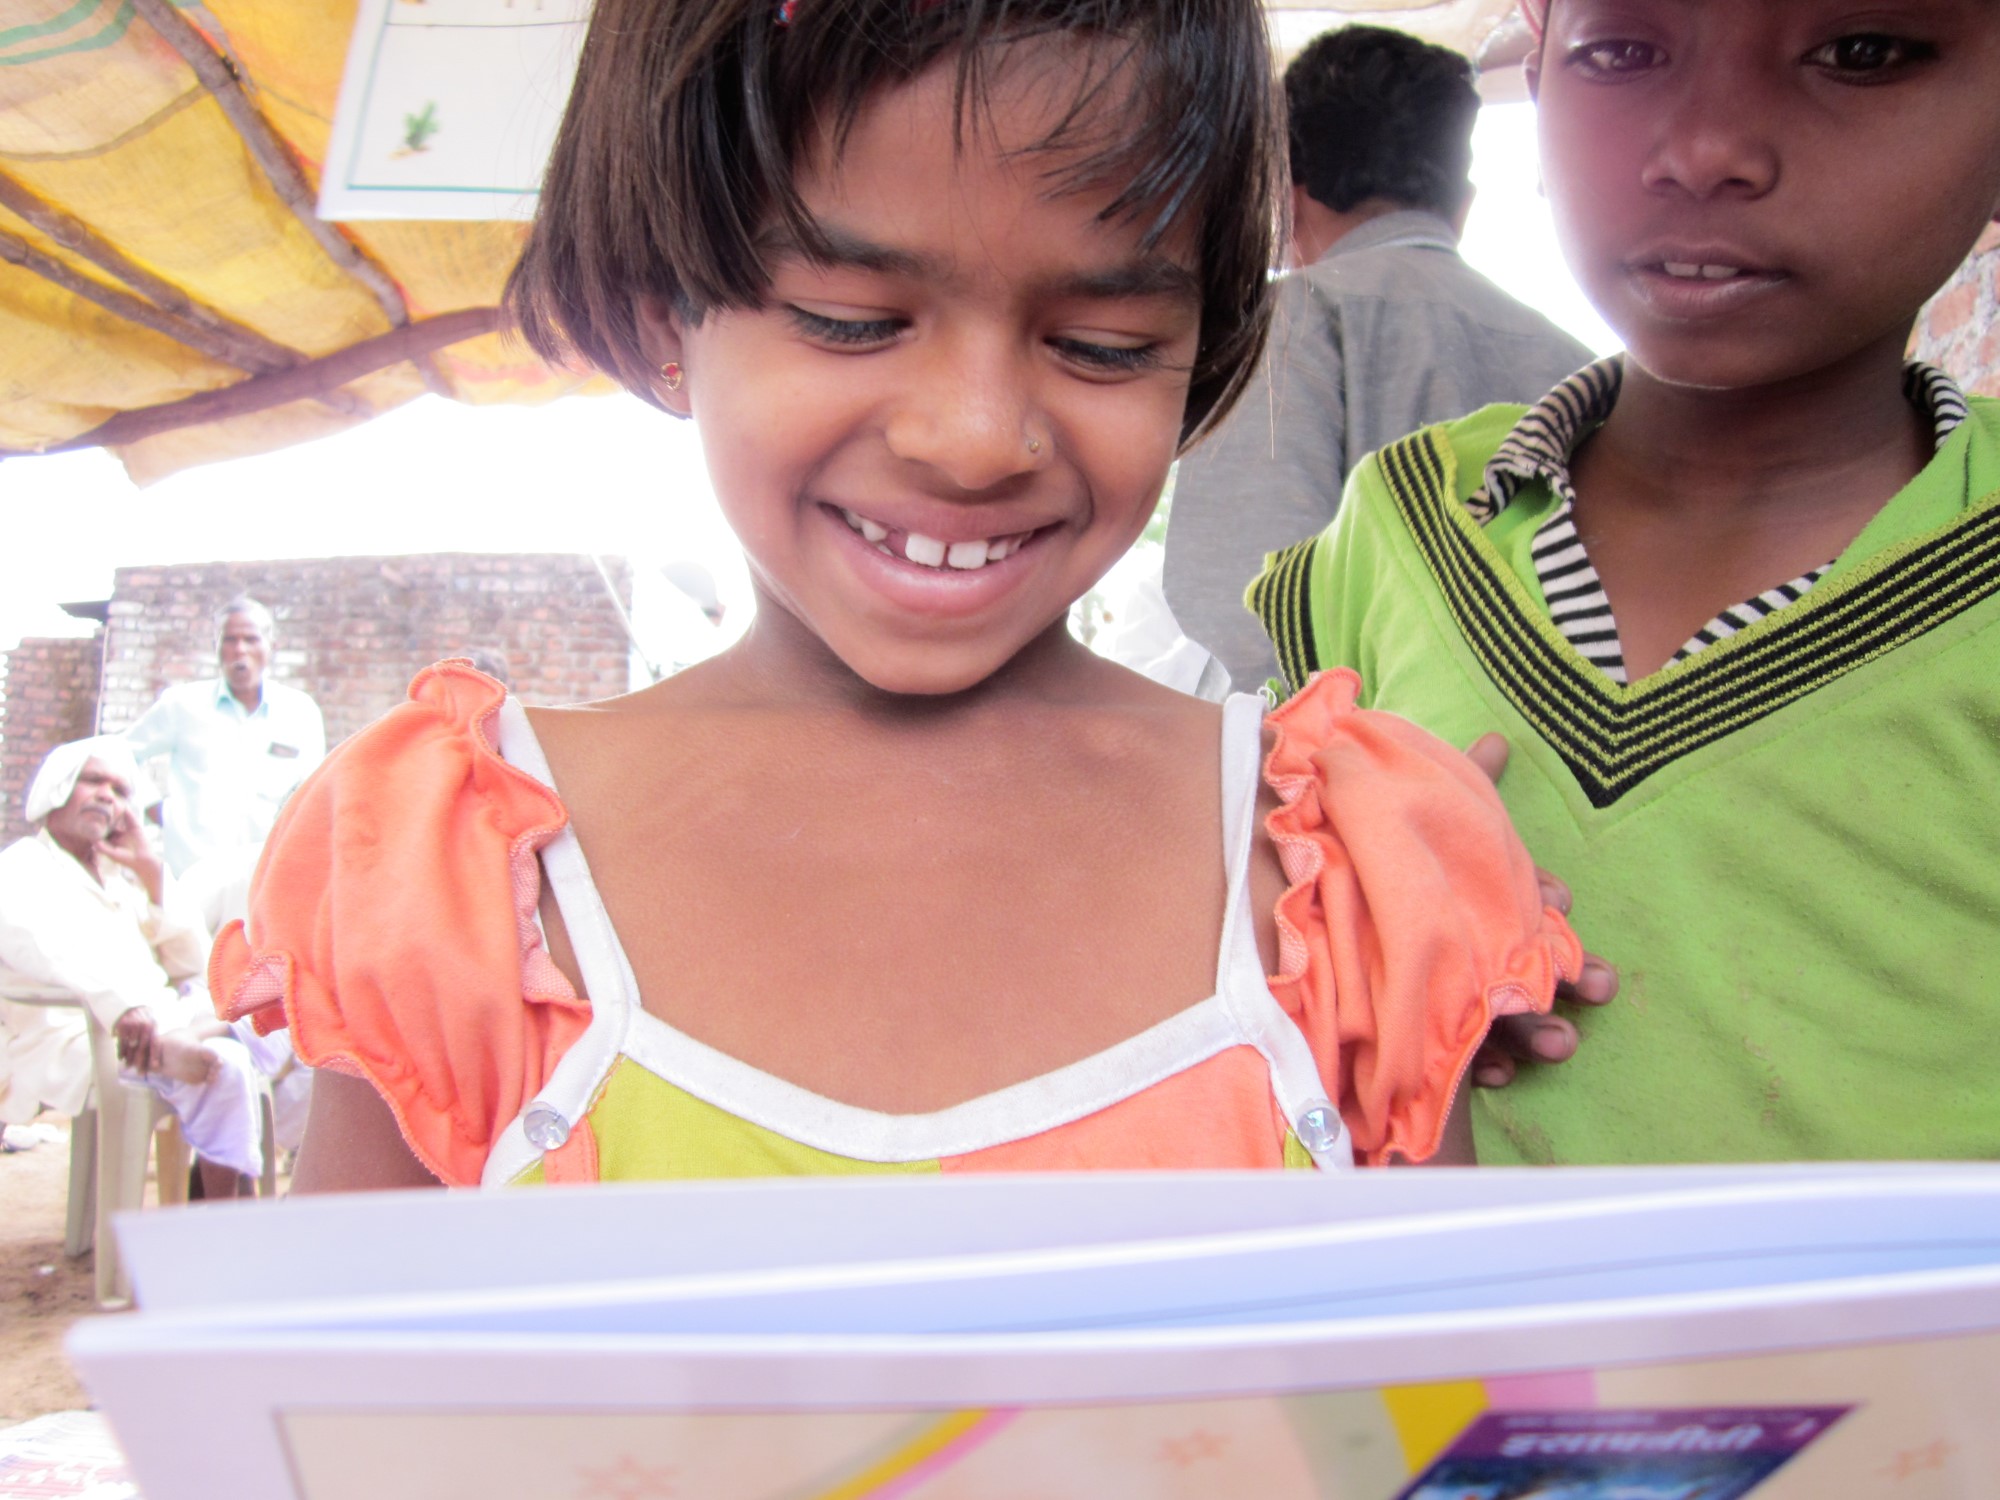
point(1841, 432)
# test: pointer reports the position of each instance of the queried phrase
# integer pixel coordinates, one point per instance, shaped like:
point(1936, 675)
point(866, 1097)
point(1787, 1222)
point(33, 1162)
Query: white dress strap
point(1239, 979)
point(545, 1123)
point(618, 1024)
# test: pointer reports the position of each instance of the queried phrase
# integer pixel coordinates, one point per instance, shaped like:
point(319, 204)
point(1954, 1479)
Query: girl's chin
point(930, 680)
point(935, 669)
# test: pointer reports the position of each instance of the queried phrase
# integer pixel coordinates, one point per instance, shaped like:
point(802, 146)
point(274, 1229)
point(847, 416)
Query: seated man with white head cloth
point(88, 912)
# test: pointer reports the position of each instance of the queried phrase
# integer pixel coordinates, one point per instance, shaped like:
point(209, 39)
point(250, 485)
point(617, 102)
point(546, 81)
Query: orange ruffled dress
point(394, 929)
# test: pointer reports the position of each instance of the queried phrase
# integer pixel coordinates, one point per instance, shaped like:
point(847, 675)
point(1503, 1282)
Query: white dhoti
point(47, 1066)
point(220, 1118)
point(291, 1081)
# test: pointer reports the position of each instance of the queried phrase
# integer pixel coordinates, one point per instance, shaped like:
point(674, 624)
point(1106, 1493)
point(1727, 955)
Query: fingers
point(1492, 1067)
point(1489, 753)
point(1541, 1039)
point(1554, 891)
point(1548, 1039)
point(1596, 985)
point(1535, 1039)
point(1517, 1039)
point(138, 1041)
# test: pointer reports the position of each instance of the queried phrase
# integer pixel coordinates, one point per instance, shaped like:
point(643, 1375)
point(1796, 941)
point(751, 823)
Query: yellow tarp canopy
point(158, 162)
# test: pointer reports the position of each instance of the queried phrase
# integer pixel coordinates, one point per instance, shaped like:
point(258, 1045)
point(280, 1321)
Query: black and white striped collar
point(1540, 447)
point(1541, 443)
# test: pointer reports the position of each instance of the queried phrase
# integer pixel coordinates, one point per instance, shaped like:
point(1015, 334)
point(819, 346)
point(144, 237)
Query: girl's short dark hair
point(689, 117)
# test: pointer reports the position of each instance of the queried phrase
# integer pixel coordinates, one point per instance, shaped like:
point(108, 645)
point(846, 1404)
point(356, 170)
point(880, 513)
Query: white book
point(1666, 1334)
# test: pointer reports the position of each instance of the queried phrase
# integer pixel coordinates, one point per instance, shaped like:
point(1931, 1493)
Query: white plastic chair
point(131, 1123)
point(110, 1140)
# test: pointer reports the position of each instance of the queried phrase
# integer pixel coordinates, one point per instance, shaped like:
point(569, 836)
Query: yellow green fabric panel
point(649, 1130)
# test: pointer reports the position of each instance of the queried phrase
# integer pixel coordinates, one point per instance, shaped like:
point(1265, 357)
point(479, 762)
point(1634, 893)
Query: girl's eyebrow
point(1147, 276)
point(842, 249)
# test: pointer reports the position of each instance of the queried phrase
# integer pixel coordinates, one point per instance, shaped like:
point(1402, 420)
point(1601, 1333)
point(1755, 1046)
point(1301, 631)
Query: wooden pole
point(316, 379)
point(135, 309)
point(218, 74)
point(248, 349)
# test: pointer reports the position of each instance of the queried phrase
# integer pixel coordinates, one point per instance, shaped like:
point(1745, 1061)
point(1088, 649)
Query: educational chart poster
point(448, 107)
point(1908, 1429)
point(1735, 1334)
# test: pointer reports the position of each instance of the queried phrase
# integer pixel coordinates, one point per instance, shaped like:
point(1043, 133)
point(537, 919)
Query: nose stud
point(1034, 445)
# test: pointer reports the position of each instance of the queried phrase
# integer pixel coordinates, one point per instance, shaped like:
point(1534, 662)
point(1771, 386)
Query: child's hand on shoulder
point(1530, 1038)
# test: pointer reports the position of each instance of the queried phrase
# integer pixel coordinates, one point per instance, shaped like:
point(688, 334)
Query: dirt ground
point(42, 1291)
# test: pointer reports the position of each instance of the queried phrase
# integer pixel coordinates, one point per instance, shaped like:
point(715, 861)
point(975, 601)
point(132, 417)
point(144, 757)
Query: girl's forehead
point(1040, 97)
point(1039, 131)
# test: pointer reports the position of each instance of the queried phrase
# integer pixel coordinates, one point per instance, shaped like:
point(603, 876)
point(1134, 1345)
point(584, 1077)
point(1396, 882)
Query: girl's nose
point(968, 417)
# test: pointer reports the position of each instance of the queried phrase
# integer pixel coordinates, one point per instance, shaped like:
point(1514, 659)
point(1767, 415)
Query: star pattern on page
point(1185, 1452)
point(1915, 1460)
point(628, 1479)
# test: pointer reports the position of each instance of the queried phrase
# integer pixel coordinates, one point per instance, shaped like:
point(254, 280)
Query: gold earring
point(670, 375)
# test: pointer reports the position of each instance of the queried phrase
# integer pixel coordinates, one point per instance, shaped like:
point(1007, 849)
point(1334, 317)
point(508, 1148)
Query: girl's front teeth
point(967, 554)
point(929, 552)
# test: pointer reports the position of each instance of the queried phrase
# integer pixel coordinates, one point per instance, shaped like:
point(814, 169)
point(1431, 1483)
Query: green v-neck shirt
point(1788, 843)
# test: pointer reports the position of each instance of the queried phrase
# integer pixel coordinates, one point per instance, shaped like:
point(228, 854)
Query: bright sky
point(606, 475)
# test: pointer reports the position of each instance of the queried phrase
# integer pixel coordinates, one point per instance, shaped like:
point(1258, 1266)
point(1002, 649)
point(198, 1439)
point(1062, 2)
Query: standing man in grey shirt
point(1381, 330)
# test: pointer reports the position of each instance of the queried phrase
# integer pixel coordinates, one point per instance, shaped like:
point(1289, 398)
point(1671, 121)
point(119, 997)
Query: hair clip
point(786, 10)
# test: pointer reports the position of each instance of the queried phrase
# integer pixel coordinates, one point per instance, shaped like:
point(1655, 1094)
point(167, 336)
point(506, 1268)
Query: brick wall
point(1960, 330)
point(51, 698)
point(352, 631)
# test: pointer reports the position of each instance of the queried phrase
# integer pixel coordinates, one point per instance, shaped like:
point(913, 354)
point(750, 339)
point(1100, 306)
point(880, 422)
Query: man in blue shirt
point(233, 747)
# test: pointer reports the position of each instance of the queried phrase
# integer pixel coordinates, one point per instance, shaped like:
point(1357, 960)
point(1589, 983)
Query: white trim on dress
point(1242, 1011)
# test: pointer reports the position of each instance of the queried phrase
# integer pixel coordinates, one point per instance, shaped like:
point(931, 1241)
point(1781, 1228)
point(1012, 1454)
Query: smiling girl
point(908, 880)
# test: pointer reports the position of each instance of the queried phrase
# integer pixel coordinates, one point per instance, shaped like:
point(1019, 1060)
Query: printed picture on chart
point(1621, 1455)
point(454, 97)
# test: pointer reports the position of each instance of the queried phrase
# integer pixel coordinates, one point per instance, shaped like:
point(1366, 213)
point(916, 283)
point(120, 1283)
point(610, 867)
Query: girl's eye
point(1869, 53)
point(1108, 359)
point(1614, 59)
point(850, 333)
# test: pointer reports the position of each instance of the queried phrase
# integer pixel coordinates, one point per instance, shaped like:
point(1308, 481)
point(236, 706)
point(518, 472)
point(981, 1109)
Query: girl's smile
point(944, 425)
point(935, 552)
point(928, 576)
